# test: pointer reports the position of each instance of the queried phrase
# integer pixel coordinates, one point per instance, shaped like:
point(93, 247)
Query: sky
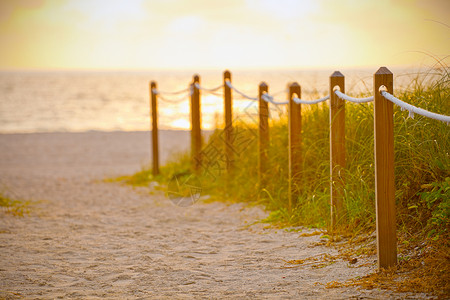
point(219, 34)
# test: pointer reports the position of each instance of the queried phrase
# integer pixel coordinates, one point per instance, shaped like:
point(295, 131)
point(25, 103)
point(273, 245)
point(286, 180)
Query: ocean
point(77, 101)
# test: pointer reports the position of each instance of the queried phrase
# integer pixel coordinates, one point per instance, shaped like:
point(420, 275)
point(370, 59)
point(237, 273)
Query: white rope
point(208, 90)
point(415, 110)
point(171, 93)
point(300, 101)
point(268, 98)
point(177, 100)
point(351, 99)
point(216, 94)
point(239, 92)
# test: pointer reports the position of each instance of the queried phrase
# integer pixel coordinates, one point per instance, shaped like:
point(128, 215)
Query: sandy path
point(89, 239)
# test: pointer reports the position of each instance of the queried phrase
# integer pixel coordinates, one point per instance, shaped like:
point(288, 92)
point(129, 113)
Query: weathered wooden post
point(228, 109)
point(384, 170)
point(196, 135)
point(263, 134)
point(295, 155)
point(337, 150)
point(154, 111)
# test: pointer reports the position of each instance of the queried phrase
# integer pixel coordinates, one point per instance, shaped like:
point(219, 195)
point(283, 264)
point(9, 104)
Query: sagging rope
point(403, 105)
point(178, 100)
point(300, 101)
point(351, 99)
point(228, 83)
point(172, 93)
point(269, 98)
point(208, 90)
point(415, 110)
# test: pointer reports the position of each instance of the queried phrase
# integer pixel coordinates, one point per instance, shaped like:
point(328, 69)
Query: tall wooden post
point(295, 155)
point(263, 134)
point(155, 146)
point(384, 170)
point(196, 135)
point(228, 108)
point(337, 150)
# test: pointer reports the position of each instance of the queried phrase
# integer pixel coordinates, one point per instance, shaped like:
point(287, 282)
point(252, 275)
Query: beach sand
point(87, 239)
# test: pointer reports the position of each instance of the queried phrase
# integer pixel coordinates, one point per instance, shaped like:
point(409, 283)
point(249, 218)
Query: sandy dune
point(88, 239)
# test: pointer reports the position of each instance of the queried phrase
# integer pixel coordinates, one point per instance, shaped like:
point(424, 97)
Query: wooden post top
point(263, 85)
point(196, 78)
point(383, 78)
point(337, 81)
point(153, 84)
point(294, 89)
point(337, 74)
point(226, 74)
point(383, 71)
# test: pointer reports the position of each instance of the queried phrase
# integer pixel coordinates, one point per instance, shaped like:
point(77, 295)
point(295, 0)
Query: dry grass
point(13, 206)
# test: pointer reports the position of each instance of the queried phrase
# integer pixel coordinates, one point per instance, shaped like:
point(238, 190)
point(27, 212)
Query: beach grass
point(422, 177)
point(14, 206)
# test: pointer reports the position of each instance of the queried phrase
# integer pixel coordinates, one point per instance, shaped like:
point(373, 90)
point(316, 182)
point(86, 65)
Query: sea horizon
point(33, 101)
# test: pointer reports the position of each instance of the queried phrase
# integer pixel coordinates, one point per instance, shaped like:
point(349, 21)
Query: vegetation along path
point(86, 238)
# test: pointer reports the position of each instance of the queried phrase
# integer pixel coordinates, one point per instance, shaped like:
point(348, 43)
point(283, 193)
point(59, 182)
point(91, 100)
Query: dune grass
point(13, 206)
point(422, 178)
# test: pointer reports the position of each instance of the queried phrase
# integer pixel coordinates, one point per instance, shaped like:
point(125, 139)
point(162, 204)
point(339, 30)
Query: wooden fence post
point(196, 135)
point(337, 150)
point(154, 111)
point(228, 109)
point(263, 134)
point(295, 155)
point(384, 170)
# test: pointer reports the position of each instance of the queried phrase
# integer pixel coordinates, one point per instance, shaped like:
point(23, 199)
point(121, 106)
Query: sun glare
point(181, 34)
point(180, 124)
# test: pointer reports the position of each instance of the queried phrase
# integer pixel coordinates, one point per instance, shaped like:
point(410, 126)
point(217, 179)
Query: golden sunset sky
point(218, 34)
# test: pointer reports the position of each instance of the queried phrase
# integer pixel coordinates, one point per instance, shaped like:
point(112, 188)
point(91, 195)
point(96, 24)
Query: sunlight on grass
point(422, 177)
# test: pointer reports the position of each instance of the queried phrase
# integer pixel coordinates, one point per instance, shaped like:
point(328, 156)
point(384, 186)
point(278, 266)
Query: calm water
point(108, 101)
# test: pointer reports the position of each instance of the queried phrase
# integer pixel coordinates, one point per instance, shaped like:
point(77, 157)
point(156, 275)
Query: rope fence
point(173, 93)
point(208, 90)
point(174, 101)
point(228, 83)
point(271, 99)
point(300, 101)
point(162, 95)
point(383, 142)
point(415, 110)
point(351, 99)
